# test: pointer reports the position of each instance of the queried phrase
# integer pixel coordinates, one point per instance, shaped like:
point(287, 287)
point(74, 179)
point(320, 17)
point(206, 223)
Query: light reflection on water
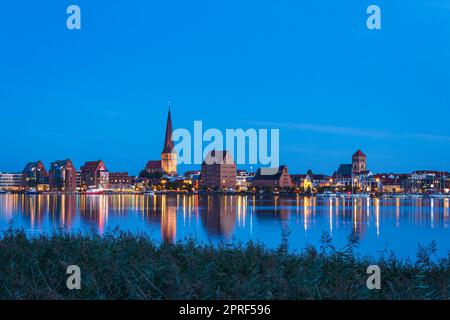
point(392, 224)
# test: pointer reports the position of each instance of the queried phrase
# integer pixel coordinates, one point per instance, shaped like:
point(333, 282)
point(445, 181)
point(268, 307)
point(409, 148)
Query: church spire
point(168, 143)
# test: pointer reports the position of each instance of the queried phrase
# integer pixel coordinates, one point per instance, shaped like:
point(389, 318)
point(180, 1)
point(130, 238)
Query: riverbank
point(124, 266)
point(329, 195)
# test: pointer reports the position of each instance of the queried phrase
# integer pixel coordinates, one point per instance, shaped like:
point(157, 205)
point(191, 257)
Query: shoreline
point(264, 194)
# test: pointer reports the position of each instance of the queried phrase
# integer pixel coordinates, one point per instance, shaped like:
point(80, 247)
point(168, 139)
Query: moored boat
point(94, 191)
point(32, 191)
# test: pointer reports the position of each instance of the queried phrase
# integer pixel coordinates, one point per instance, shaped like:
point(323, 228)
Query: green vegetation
point(125, 266)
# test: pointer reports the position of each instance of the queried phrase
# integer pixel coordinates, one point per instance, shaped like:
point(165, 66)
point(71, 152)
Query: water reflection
point(399, 223)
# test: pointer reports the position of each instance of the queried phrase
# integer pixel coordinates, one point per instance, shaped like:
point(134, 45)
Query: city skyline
point(100, 93)
point(168, 146)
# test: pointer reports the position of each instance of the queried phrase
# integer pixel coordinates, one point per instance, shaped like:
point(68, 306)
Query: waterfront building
point(343, 176)
point(78, 180)
point(310, 180)
point(391, 182)
point(62, 176)
point(218, 171)
point(302, 181)
point(359, 161)
point(154, 167)
point(428, 181)
point(10, 181)
point(121, 180)
point(34, 175)
point(268, 178)
point(193, 178)
point(366, 181)
point(94, 174)
point(242, 180)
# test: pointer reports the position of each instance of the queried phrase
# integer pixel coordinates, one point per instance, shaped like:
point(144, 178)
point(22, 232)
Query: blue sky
point(313, 70)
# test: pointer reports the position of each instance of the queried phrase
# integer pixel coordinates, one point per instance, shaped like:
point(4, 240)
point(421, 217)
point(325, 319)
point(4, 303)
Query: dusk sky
point(311, 69)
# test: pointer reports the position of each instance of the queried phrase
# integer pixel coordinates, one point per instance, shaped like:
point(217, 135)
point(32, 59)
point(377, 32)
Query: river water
point(382, 225)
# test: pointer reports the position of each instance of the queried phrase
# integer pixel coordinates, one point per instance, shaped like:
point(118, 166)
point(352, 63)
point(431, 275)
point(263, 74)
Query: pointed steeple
point(168, 143)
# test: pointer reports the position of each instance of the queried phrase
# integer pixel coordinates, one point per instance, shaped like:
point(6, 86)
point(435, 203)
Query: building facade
point(279, 179)
point(10, 181)
point(242, 180)
point(34, 175)
point(120, 180)
point(154, 167)
point(218, 171)
point(359, 162)
point(62, 176)
point(94, 174)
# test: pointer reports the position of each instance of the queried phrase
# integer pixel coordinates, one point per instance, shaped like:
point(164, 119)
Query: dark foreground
point(126, 266)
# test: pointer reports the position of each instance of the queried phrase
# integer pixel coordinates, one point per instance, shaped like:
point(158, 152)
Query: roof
point(218, 157)
point(168, 143)
point(359, 153)
point(93, 165)
point(30, 166)
point(58, 164)
point(269, 173)
point(344, 170)
point(153, 164)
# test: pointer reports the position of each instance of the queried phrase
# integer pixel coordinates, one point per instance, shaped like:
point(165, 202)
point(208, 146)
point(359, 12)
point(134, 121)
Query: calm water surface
point(381, 224)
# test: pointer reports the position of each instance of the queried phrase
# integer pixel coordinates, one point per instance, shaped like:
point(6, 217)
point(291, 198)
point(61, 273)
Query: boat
point(94, 191)
point(415, 196)
point(32, 191)
point(149, 193)
point(437, 196)
point(360, 195)
point(401, 196)
point(327, 194)
point(2, 192)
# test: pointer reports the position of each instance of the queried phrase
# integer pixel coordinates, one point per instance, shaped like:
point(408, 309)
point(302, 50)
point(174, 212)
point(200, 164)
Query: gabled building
point(218, 171)
point(365, 181)
point(311, 180)
point(270, 178)
point(153, 166)
point(302, 181)
point(62, 176)
point(34, 174)
point(94, 174)
point(391, 182)
point(343, 176)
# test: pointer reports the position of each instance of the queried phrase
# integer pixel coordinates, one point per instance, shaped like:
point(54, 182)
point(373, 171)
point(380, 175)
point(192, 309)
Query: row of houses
point(63, 176)
point(219, 172)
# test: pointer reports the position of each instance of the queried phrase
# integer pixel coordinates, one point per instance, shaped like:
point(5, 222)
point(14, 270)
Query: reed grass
point(121, 265)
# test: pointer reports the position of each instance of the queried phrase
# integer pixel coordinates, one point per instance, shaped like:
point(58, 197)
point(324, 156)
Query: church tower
point(359, 161)
point(168, 156)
